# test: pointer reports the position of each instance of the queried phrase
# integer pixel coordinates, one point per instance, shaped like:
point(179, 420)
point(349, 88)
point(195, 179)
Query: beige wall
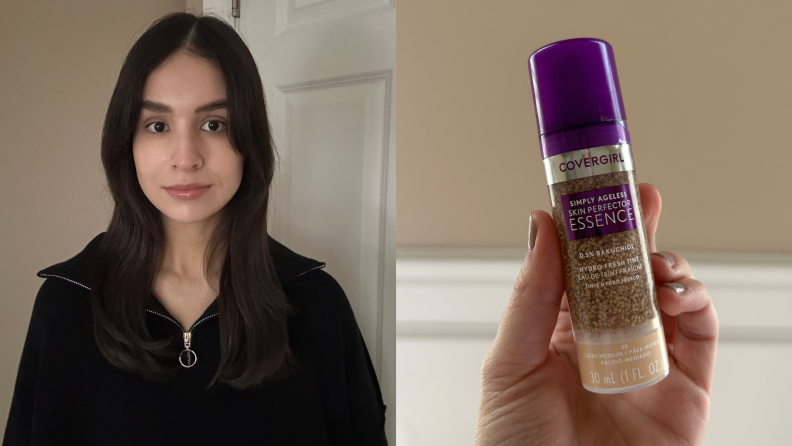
point(194, 6)
point(58, 65)
point(706, 88)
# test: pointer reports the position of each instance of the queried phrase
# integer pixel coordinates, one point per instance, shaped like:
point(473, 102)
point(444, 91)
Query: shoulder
point(322, 323)
point(60, 299)
point(290, 265)
point(61, 314)
point(317, 280)
point(319, 293)
point(64, 294)
point(306, 284)
point(321, 318)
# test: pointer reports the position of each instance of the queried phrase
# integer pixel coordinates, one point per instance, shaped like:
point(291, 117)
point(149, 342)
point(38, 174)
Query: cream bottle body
point(607, 270)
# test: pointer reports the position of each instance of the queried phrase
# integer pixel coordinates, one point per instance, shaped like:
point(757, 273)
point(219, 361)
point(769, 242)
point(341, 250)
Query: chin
point(190, 216)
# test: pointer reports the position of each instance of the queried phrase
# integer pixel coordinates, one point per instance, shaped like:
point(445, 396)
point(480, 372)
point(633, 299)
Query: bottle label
point(623, 364)
point(604, 253)
point(597, 212)
point(588, 163)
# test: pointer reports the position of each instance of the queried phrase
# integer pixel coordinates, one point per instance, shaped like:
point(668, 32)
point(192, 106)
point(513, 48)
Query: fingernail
point(531, 232)
point(669, 258)
point(677, 287)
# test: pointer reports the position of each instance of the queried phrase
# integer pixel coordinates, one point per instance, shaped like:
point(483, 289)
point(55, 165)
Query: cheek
point(139, 168)
point(144, 166)
point(232, 179)
point(233, 167)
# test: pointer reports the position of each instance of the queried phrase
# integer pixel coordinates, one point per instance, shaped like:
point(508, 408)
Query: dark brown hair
point(252, 305)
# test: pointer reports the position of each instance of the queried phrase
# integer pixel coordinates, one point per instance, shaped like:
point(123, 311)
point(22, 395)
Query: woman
point(184, 322)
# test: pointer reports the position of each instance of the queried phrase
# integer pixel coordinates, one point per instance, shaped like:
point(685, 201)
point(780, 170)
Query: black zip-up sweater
point(67, 393)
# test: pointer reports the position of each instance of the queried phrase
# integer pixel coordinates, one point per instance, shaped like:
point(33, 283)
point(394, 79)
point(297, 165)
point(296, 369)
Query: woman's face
point(176, 142)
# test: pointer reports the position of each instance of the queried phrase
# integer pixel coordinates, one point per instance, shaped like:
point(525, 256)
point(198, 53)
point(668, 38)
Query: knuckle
point(681, 265)
point(696, 286)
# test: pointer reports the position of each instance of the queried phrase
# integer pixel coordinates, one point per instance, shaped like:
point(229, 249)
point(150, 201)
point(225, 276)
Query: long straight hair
point(252, 305)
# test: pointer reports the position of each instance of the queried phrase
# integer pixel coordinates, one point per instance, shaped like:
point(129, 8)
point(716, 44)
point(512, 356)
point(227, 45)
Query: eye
point(215, 127)
point(159, 128)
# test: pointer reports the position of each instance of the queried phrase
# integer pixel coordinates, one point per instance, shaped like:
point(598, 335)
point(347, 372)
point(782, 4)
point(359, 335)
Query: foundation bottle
point(588, 161)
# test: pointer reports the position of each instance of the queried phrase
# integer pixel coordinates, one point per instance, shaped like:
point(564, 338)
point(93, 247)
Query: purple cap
point(577, 97)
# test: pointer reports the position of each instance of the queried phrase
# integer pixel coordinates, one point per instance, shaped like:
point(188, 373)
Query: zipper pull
point(187, 358)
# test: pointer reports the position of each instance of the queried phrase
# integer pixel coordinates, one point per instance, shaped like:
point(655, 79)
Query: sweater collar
point(288, 264)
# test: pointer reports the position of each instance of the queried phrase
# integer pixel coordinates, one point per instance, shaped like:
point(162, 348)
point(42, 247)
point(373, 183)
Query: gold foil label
point(623, 364)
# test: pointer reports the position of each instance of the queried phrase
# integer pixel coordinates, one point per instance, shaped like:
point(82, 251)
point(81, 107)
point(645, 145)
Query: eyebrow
point(162, 108)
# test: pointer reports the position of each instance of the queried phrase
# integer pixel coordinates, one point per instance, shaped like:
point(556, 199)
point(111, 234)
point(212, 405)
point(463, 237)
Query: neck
point(184, 247)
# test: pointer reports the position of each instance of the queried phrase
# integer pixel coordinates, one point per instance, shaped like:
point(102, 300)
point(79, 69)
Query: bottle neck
point(586, 136)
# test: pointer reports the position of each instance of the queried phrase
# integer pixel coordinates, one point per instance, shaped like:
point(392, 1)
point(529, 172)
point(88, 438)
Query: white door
point(328, 70)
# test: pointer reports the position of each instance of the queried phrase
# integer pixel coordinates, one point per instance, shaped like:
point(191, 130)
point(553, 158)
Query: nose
point(187, 149)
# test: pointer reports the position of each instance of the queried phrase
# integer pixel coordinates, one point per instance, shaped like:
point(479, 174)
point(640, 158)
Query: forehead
point(183, 81)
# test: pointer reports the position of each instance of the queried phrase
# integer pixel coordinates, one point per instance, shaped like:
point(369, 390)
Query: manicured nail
point(531, 232)
point(669, 258)
point(677, 287)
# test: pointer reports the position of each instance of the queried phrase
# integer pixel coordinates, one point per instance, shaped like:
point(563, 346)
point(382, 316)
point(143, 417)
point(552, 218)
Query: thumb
point(529, 320)
point(651, 204)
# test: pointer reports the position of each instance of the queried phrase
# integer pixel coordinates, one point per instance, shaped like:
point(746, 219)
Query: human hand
point(531, 387)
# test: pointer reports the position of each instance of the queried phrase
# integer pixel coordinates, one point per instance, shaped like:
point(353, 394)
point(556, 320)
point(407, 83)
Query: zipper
point(188, 357)
point(322, 265)
point(64, 278)
point(187, 354)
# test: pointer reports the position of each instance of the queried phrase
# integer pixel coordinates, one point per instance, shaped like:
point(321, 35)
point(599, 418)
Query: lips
point(187, 186)
point(188, 191)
